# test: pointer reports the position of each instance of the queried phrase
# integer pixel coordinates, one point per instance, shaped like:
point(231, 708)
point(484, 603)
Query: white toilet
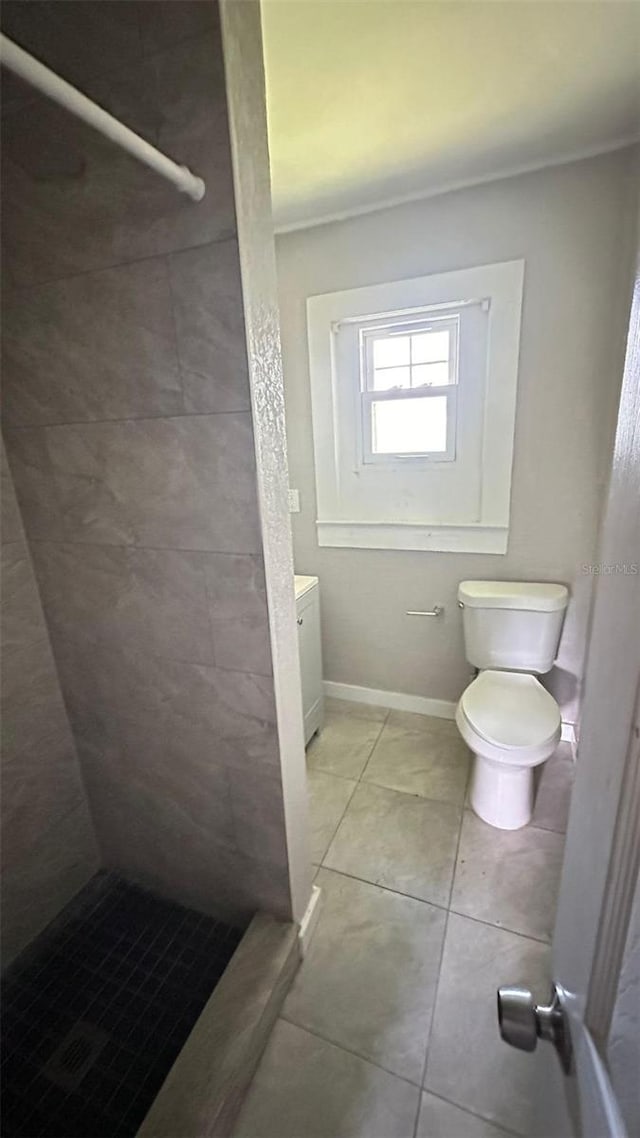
point(510, 722)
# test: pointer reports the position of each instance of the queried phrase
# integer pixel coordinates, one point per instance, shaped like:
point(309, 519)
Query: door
point(308, 616)
point(600, 872)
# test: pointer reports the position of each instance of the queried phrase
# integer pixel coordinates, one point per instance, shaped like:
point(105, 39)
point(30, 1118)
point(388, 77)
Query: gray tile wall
point(48, 845)
point(130, 436)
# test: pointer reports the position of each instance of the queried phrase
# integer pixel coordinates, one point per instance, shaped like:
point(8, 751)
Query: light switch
point(294, 501)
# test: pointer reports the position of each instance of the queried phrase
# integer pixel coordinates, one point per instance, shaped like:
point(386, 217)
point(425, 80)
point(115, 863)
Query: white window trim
point(502, 286)
point(368, 394)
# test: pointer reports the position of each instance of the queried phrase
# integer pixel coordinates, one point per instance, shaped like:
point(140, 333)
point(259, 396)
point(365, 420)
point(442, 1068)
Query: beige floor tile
point(344, 744)
point(308, 1088)
point(335, 707)
point(440, 1119)
point(368, 981)
point(508, 877)
point(411, 721)
point(425, 761)
point(553, 792)
point(400, 841)
point(328, 799)
point(468, 1063)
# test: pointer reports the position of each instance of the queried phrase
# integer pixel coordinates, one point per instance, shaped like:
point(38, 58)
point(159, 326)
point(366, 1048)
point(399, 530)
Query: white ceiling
point(370, 101)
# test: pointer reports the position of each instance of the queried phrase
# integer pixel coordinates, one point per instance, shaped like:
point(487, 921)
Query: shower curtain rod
point(35, 73)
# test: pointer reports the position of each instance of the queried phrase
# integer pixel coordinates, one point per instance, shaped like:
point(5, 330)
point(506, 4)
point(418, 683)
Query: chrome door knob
point(523, 1022)
point(517, 1018)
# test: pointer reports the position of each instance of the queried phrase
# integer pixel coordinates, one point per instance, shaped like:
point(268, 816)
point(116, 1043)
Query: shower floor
point(96, 1011)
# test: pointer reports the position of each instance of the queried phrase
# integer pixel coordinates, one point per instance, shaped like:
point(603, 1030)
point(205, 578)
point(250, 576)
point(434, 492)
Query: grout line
point(388, 889)
point(546, 830)
point(331, 774)
point(474, 1114)
point(346, 777)
point(432, 1017)
point(355, 787)
point(523, 829)
point(120, 421)
point(434, 905)
point(503, 928)
point(440, 963)
point(457, 806)
point(30, 286)
point(350, 1051)
point(384, 786)
point(14, 541)
point(414, 794)
point(457, 853)
point(117, 651)
point(418, 1111)
point(174, 333)
point(373, 749)
point(150, 548)
point(455, 860)
point(339, 822)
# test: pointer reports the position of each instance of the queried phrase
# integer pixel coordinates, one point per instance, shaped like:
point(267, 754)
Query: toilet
point(510, 722)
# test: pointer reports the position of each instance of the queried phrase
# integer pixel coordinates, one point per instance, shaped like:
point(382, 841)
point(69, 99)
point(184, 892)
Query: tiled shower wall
point(48, 845)
point(130, 437)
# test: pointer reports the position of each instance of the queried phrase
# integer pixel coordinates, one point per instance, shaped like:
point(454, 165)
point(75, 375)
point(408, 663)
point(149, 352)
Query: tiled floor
point(97, 1009)
point(389, 1030)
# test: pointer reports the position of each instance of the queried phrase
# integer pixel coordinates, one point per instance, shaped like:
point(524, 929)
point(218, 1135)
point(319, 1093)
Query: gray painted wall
point(573, 225)
point(48, 845)
point(130, 436)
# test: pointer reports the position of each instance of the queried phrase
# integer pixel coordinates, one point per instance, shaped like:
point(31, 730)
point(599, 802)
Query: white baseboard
point(309, 920)
point(399, 701)
point(570, 736)
point(403, 701)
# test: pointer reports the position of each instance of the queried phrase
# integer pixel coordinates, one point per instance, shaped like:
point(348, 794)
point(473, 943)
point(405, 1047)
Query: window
point(413, 388)
point(409, 379)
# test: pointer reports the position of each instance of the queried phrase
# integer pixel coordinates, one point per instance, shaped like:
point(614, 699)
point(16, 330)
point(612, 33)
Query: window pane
point(409, 426)
point(431, 374)
point(386, 378)
point(430, 346)
point(392, 351)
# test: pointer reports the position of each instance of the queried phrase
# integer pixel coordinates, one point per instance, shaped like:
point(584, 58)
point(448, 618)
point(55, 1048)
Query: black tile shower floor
point(95, 1012)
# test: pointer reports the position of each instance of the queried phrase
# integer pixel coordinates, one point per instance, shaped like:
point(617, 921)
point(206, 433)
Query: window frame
point(395, 323)
point(352, 509)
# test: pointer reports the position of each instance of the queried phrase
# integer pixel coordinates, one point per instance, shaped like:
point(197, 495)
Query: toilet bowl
point(511, 724)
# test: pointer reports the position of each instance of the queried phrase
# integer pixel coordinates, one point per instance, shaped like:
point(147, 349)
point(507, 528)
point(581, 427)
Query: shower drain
point(75, 1056)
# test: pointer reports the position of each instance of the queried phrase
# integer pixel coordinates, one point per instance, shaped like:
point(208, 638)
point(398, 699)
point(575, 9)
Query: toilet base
point(501, 795)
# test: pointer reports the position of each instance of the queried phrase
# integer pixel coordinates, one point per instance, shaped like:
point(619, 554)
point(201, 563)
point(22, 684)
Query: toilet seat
point(511, 711)
point(511, 724)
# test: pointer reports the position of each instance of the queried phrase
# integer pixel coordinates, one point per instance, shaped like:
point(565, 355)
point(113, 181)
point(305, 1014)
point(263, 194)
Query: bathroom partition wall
point(131, 440)
point(48, 845)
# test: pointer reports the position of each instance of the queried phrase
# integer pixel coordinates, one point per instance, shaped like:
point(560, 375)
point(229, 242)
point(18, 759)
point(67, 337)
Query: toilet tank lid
point(527, 595)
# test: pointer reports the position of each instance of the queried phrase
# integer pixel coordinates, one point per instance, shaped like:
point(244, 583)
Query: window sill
point(404, 535)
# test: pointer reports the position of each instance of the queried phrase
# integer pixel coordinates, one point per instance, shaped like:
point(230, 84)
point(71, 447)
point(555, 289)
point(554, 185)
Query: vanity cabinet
point(308, 617)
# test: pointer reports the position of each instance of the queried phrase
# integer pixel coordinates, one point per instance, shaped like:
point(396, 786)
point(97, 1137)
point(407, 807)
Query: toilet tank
point(513, 625)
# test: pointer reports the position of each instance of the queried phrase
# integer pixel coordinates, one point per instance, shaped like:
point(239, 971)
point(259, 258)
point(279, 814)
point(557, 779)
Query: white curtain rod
point(35, 73)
